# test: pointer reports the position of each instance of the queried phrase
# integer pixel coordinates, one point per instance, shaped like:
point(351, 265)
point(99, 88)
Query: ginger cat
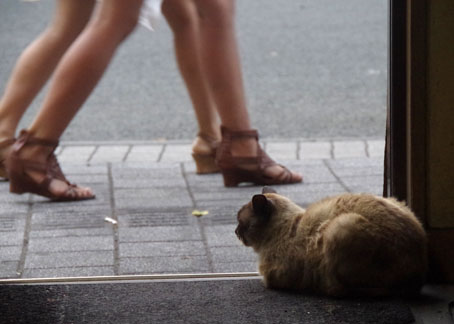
point(351, 244)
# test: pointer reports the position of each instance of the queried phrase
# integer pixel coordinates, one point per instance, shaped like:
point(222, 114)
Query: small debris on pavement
point(199, 213)
point(110, 220)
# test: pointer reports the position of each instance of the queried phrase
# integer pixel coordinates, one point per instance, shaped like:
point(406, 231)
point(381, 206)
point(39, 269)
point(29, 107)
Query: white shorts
point(150, 14)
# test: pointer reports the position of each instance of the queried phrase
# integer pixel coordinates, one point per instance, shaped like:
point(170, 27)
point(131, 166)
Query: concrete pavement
point(150, 190)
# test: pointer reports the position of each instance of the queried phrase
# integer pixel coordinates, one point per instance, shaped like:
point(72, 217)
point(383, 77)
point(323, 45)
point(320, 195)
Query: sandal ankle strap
point(235, 134)
point(26, 138)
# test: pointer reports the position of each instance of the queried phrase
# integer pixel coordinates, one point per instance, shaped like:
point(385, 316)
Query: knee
point(216, 12)
point(118, 24)
point(60, 36)
point(179, 14)
point(63, 32)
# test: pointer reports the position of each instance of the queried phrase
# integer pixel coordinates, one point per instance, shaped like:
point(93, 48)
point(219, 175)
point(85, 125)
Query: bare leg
point(76, 76)
point(38, 61)
point(221, 61)
point(183, 19)
point(83, 66)
point(222, 68)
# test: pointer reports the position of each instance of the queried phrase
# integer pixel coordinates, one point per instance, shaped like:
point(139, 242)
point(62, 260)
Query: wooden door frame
point(409, 160)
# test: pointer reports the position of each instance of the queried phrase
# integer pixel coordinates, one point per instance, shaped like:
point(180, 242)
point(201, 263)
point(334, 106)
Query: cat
point(346, 245)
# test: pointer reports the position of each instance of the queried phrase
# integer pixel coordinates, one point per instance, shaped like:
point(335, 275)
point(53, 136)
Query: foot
point(5, 148)
point(247, 147)
point(58, 186)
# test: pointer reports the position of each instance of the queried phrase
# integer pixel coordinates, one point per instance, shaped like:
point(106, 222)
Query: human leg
point(83, 66)
point(183, 19)
point(36, 64)
point(222, 68)
point(75, 78)
point(221, 61)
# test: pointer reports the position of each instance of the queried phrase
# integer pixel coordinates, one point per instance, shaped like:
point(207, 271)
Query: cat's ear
point(262, 206)
point(268, 190)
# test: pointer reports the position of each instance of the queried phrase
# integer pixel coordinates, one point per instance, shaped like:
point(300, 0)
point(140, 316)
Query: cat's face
point(253, 218)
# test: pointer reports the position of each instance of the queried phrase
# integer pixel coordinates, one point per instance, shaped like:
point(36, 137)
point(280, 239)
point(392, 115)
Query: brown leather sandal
point(3, 146)
point(238, 169)
point(21, 182)
point(205, 162)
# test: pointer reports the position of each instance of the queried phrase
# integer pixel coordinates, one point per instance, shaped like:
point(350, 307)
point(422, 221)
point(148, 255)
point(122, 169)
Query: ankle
point(244, 147)
point(212, 133)
point(35, 153)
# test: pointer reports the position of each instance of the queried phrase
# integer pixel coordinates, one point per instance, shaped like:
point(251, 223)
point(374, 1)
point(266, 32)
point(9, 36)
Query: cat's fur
point(351, 244)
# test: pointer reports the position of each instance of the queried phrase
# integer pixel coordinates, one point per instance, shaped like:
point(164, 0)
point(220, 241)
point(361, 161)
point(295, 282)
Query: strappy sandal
point(21, 182)
point(238, 169)
point(205, 161)
point(3, 146)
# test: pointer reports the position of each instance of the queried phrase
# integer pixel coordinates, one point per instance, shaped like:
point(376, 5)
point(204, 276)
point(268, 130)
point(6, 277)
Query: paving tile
point(152, 197)
point(206, 180)
point(225, 254)
point(17, 205)
point(314, 150)
point(149, 182)
point(10, 252)
point(161, 265)
point(7, 197)
point(189, 168)
point(8, 269)
point(68, 272)
point(159, 234)
point(149, 169)
point(89, 179)
point(106, 230)
point(71, 169)
point(367, 184)
point(11, 238)
point(144, 153)
point(107, 153)
point(146, 217)
point(66, 220)
point(312, 173)
point(357, 167)
point(349, 149)
point(74, 243)
point(228, 267)
point(219, 215)
point(162, 249)
point(76, 154)
point(68, 259)
point(222, 235)
point(239, 193)
point(11, 222)
point(176, 153)
point(282, 150)
point(376, 148)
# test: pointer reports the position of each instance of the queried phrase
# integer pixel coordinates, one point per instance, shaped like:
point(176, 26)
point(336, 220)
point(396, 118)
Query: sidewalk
point(150, 189)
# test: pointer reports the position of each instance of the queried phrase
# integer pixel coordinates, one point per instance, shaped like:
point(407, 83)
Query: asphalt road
point(312, 68)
